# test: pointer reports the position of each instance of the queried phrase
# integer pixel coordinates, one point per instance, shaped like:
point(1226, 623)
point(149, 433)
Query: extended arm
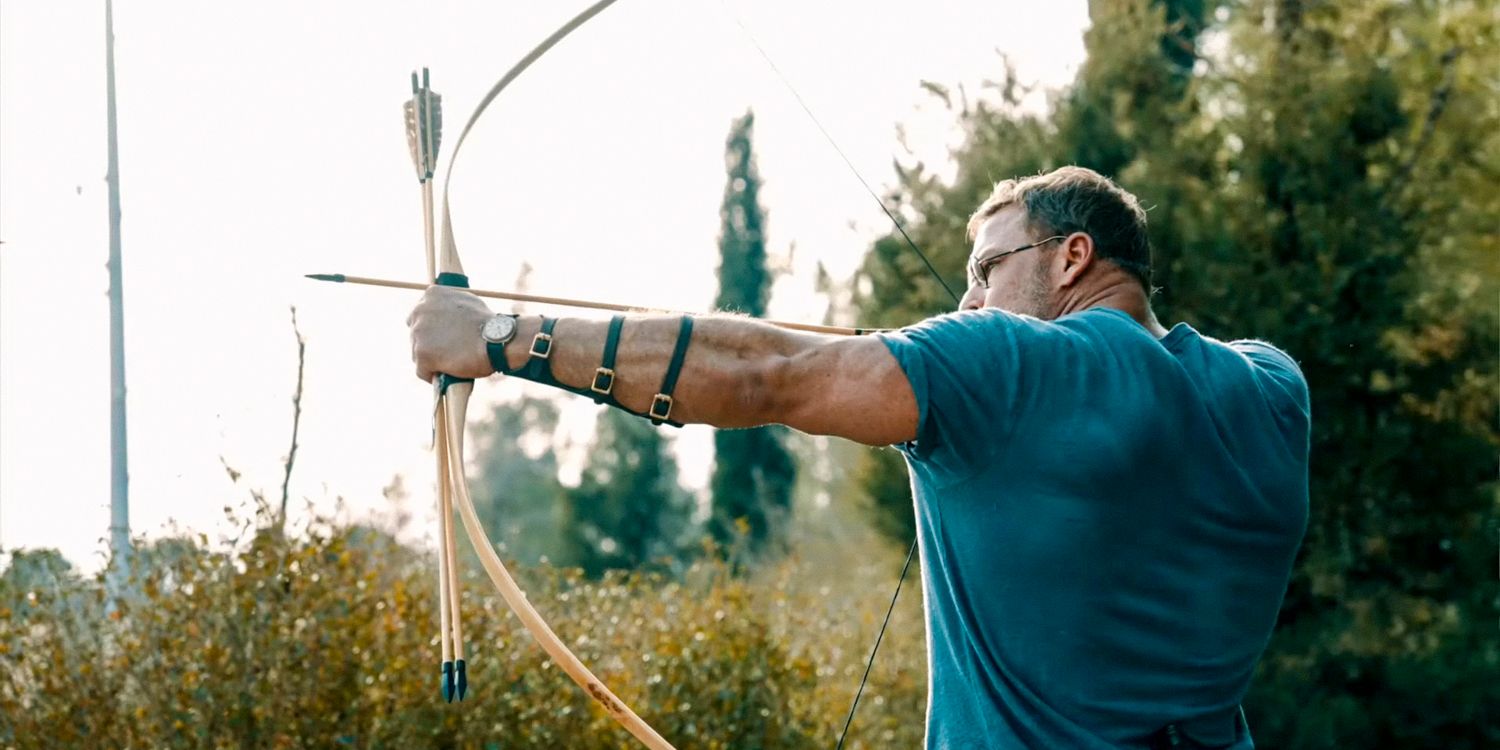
point(738, 372)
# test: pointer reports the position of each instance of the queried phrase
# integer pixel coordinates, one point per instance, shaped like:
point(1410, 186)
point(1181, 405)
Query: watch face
point(499, 329)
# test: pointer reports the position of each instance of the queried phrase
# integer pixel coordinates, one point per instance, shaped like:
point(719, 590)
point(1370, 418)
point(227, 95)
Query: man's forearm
point(729, 376)
point(736, 372)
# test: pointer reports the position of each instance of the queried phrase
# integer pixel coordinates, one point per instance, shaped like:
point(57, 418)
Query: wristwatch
point(497, 331)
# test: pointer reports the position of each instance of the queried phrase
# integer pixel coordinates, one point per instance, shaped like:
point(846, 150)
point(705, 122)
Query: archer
point(1108, 510)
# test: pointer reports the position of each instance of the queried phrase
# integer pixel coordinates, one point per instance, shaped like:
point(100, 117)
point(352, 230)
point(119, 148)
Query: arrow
point(580, 303)
point(423, 114)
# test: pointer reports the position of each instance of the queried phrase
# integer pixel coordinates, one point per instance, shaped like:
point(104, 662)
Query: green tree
point(515, 487)
point(34, 572)
point(628, 511)
point(1343, 181)
point(753, 473)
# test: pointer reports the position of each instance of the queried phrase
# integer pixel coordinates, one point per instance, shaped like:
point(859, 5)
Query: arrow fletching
point(432, 122)
point(424, 126)
point(413, 137)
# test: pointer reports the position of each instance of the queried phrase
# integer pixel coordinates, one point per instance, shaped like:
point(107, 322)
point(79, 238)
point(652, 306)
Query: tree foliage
point(515, 487)
point(328, 639)
point(753, 474)
point(628, 512)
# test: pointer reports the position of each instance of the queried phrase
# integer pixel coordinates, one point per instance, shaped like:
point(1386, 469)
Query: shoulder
point(980, 372)
point(987, 324)
point(1266, 354)
point(990, 342)
point(1275, 369)
point(1249, 370)
point(964, 345)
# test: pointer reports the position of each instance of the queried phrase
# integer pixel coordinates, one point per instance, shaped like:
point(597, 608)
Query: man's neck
point(1124, 295)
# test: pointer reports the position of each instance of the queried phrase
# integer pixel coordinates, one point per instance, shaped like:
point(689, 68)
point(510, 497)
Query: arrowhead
point(448, 681)
point(463, 678)
point(336, 277)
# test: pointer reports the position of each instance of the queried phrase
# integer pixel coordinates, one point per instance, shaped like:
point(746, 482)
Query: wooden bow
point(452, 405)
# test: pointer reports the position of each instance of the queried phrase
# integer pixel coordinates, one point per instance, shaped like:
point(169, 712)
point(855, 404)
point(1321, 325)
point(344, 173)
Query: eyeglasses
point(979, 270)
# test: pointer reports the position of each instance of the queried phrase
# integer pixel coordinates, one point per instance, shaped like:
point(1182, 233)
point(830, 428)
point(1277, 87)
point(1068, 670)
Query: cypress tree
point(753, 472)
point(628, 512)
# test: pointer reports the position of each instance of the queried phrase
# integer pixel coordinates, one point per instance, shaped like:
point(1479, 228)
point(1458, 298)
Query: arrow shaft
point(581, 303)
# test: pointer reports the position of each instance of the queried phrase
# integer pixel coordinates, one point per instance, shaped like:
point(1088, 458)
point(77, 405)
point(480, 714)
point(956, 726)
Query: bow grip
point(461, 281)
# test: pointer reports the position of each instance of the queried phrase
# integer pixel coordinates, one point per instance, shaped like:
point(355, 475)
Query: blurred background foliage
point(1322, 175)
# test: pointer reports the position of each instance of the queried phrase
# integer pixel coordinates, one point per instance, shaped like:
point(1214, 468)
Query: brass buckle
point(606, 376)
point(661, 400)
point(541, 346)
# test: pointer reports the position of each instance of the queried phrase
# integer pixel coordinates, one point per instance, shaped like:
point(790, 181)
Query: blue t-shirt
point(1107, 523)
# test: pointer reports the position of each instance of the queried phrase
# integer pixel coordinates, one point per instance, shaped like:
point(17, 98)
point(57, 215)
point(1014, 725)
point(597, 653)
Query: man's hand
point(445, 334)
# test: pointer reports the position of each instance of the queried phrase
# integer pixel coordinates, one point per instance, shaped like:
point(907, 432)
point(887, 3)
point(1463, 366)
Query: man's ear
point(1076, 255)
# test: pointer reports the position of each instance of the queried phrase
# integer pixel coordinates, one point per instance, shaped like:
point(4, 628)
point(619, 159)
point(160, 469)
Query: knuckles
point(433, 326)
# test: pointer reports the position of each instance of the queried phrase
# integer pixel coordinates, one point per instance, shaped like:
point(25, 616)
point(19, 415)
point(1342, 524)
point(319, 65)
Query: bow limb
point(452, 407)
point(450, 249)
point(445, 561)
point(456, 401)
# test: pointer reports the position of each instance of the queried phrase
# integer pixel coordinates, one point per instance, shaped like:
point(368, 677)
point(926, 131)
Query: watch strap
point(496, 352)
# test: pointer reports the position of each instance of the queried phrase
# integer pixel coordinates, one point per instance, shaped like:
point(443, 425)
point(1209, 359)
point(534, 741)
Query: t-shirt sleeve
point(1283, 389)
point(1280, 379)
point(966, 372)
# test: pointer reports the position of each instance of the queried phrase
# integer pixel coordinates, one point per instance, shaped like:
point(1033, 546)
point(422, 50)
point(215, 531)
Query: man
point(1108, 511)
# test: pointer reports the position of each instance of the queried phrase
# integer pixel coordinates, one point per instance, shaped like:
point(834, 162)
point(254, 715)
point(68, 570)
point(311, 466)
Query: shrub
point(329, 640)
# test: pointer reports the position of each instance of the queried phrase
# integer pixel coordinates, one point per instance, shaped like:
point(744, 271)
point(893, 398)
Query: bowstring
point(896, 222)
point(901, 229)
point(849, 720)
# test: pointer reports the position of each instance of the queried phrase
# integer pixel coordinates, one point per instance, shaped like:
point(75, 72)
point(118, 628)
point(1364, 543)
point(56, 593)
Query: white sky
point(262, 141)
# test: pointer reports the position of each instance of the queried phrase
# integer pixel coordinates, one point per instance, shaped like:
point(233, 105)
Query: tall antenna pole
point(119, 496)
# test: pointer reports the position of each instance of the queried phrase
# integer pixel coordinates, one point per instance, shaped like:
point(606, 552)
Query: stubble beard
point(1037, 297)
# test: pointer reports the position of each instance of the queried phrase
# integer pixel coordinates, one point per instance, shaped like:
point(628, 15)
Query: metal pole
point(119, 506)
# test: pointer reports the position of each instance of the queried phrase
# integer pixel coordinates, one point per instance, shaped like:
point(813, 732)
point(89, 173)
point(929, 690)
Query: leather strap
point(604, 375)
point(538, 365)
point(538, 370)
point(661, 403)
point(496, 352)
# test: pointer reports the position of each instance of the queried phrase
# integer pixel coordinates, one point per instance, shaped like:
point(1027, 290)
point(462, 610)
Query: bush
point(330, 640)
